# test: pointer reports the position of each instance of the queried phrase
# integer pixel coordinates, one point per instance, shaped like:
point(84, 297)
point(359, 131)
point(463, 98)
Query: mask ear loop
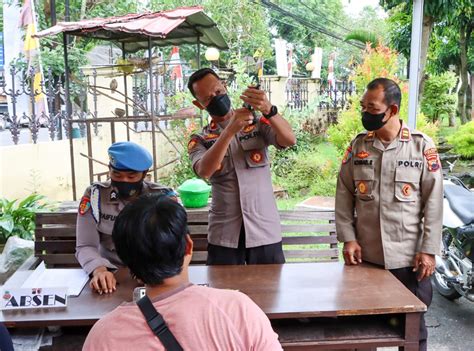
point(389, 109)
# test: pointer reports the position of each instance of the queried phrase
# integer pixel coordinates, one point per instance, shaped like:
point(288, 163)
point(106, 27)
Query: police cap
point(129, 156)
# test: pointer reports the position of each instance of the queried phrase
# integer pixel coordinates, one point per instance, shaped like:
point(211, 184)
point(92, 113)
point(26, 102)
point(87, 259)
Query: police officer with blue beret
point(100, 205)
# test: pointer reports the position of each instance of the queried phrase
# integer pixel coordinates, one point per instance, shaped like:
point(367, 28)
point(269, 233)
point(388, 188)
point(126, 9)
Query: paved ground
point(450, 325)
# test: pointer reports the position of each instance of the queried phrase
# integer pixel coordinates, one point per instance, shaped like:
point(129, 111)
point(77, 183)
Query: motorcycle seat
point(461, 201)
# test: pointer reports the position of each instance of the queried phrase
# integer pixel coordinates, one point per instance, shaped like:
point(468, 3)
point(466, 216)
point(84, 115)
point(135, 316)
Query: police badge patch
point(432, 159)
point(192, 144)
point(84, 205)
point(347, 155)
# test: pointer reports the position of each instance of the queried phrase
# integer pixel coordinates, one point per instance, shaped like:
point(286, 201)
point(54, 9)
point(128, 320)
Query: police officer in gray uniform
point(232, 151)
point(391, 178)
point(100, 205)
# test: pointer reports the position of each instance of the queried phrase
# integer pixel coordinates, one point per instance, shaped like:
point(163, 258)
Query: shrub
point(437, 101)
point(18, 218)
point(182, 168)
point(463, 140)
point(312, 171)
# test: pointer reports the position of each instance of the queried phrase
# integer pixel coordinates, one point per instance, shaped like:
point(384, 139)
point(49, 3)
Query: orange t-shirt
point(200, 318)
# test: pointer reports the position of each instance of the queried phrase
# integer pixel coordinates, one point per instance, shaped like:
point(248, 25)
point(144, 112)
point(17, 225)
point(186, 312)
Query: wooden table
point(311, 305)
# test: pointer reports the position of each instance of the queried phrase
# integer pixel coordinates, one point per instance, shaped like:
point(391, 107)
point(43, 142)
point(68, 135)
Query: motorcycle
point(454, 276)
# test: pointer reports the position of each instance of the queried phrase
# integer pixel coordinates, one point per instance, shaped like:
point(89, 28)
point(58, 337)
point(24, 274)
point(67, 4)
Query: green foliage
point(463, 140)
point(364, 37)
point(242, 23)
point(18, 218)
point(348, 126)
point(438, 101)
point(182, 168)
point(311, 170)
point(52, 47)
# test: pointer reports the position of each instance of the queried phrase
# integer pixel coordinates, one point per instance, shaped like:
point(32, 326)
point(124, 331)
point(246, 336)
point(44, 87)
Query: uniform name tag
point(363, 162)
point(410, 163)
point(30, 298)
point(249, 136)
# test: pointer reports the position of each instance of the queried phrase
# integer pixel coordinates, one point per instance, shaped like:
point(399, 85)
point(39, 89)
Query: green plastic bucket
point(194, 193)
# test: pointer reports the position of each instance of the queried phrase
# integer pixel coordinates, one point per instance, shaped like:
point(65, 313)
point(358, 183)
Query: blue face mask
point(373, 122)
point(219, 106)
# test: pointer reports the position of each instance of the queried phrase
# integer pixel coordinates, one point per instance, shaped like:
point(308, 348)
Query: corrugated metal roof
point(183, 25)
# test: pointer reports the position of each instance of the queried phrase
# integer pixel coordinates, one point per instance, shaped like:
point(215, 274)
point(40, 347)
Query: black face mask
point(373, 122)
point(127, 190)
point(219, 106)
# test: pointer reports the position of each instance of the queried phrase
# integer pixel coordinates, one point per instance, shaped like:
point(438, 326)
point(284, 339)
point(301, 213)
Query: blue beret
point(129, 156)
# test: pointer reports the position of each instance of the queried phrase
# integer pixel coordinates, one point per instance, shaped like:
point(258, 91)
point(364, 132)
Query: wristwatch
point(273, 112)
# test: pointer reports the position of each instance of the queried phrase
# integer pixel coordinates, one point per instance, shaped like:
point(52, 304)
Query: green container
point(194, 193)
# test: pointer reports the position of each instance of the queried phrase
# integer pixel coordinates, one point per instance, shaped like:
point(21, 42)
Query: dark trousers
point(265, 254)
point(423, 290)
point(5, 339)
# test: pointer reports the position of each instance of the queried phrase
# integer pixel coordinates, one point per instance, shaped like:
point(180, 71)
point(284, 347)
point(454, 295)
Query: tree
point(438, 16)
point(242, 23)
point(52, 47)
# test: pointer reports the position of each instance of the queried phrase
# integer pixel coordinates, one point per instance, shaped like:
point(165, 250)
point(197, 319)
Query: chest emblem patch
point(256, 157)
point(362, 154)
point(362, 188)
point(211, 136)
point(213, 125)
point(406, 190)
point(249, 128)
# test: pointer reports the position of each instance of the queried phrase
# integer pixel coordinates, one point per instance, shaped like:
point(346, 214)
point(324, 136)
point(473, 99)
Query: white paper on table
point(72, 278)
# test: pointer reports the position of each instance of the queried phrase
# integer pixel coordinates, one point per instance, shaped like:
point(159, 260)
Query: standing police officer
point(244, 225)
point(391, 177)
point(100, 205)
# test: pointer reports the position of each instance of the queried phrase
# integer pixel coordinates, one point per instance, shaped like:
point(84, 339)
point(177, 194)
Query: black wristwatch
point(273, 112)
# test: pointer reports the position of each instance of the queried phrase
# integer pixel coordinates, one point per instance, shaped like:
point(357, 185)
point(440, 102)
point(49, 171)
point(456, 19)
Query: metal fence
point(335, 96)
point(41, 104)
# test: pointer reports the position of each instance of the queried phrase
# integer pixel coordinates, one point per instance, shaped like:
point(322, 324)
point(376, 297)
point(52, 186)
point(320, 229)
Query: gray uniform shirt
point(98, 209)
point(241, 188)
point(397, 194)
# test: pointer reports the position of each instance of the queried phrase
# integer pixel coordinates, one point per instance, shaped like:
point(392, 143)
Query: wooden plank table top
point(289, 291)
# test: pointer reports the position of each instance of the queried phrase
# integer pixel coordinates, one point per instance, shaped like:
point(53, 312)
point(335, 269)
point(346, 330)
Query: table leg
point(412, 332)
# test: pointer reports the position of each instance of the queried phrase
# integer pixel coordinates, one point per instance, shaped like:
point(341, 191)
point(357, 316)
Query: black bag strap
point(158, 325)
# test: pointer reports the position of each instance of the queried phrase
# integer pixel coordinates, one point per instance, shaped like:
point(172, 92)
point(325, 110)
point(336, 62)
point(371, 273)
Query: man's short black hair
point(197, 76)
point(150, 238)
point(392, 93)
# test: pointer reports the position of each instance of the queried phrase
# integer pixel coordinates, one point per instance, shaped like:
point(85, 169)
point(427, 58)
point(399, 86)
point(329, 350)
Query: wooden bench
point(308, 236)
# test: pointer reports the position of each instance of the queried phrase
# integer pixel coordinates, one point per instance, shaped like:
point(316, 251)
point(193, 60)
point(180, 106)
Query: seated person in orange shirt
point(151, 238)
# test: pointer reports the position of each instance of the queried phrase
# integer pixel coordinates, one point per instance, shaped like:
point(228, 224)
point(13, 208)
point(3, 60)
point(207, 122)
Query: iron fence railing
point(335, 96)
point(34, 104)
